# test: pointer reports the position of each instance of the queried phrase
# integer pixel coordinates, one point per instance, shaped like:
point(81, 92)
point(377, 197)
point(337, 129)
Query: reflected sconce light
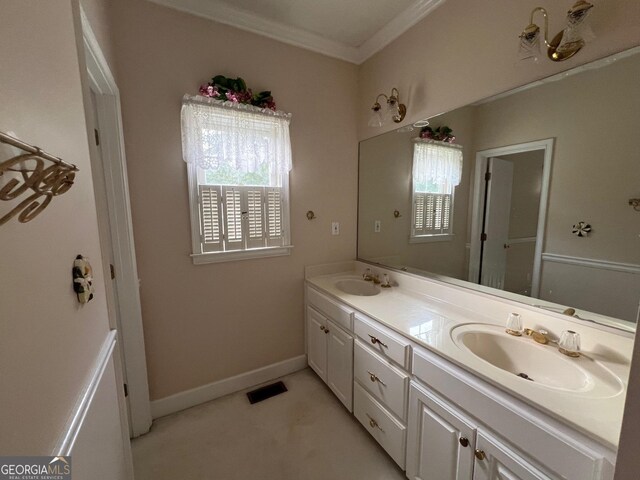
point(566, 43)
point(392, 109)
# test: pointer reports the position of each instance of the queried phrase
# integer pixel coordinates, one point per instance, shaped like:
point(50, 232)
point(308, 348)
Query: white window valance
point(235, 137)
point(437, 166)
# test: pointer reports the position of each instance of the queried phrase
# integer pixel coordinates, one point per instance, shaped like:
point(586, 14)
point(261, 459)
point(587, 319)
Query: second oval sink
point(542, 365)
point(355, 286)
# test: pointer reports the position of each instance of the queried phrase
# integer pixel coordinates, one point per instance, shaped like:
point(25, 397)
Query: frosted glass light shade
point(529, 46)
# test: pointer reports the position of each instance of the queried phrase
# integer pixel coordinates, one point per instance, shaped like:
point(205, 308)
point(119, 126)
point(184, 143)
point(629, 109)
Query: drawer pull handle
point(322, 328)
point(464, 441)
point(375, 340)
point(480, 455)
point(374, 424)
point(374, 378)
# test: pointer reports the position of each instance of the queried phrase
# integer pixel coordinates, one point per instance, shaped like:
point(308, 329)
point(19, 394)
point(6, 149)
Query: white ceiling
point(351, 30)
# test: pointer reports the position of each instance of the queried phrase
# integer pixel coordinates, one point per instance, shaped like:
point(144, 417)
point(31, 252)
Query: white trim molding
point(65, 444)
point(127, 283)
point(233, 255)
point(222, 12)
point(482, 158)
point(631, 268)
point(205, 393)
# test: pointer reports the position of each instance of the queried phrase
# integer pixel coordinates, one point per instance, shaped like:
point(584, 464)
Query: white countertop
point(413, 309)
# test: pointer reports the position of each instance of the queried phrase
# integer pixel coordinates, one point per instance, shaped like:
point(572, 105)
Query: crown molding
point(220, 12)
point(396, 27)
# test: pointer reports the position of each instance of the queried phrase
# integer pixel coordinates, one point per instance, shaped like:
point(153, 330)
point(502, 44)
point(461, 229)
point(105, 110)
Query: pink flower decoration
point(209, 90)
point(232, 96)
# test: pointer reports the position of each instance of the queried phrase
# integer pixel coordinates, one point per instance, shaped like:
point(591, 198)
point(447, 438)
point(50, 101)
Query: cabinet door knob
point(464, 441)
point(326, 330)
point(322, 328)
point(480, 455)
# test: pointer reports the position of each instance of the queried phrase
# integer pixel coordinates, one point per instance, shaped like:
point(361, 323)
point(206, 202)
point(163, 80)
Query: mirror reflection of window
point(437, 170)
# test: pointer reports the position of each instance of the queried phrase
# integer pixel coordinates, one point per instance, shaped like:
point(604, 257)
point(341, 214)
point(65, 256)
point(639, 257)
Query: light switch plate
point(335, 228)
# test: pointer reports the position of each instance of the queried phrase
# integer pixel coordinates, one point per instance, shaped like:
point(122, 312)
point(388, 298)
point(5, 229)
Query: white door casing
point(482, 158)
point(126, 288)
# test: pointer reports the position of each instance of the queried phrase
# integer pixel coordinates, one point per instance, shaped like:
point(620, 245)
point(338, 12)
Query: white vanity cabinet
point(441, 440)
point(437, 419)
point(329, 346)
point(497, 461)
point(445, 443)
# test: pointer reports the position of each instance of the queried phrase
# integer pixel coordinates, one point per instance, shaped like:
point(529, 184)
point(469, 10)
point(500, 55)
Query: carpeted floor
point(302, 434)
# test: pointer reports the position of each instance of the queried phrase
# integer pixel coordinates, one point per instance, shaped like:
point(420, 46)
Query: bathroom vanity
point(428, 369)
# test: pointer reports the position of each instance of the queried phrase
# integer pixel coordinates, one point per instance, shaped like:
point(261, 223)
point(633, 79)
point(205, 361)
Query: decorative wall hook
point(635, 203)
point(82, 279)
point(581, 229)
point(43, 174)
point(311, 215)
point(397, 214)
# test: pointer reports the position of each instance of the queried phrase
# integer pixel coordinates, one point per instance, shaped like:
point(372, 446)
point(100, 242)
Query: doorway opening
point(109, 172)
point(509, 216)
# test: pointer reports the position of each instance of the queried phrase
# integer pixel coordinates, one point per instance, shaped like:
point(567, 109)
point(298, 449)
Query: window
point(238, 159)
point(437, 169)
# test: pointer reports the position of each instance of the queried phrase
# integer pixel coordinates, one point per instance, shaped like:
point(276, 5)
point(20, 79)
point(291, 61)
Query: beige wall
point(49, 342)
point(209, 322)
point(465, 50)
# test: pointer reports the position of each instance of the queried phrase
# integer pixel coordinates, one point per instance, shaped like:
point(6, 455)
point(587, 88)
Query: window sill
point(445, 237)
point(232, 256)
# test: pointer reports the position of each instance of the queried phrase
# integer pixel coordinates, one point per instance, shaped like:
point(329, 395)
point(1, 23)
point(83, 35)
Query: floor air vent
point(268, 391)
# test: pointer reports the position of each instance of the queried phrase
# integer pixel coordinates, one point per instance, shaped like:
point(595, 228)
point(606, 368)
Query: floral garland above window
point(440, 134)
point(235, 90)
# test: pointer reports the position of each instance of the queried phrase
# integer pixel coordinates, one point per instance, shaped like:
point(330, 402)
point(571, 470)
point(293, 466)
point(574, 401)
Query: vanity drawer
point(340, 314)
point(384, 381)
point(384, 341)
point(387, 431)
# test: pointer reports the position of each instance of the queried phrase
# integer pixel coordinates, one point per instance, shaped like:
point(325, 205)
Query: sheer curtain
point(235, 137)
point(437, 166)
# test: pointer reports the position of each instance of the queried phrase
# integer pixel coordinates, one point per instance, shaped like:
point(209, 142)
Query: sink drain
point(525, 376)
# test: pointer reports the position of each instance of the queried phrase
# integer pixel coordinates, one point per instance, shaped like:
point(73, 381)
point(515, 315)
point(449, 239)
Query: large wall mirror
point(531, 200)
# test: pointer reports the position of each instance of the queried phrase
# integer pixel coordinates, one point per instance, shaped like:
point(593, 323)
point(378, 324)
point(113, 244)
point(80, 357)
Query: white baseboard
point(196, 396)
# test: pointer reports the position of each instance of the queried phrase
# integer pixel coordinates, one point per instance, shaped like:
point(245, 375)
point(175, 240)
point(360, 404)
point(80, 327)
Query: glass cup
point(569, 343)
point(514, 324)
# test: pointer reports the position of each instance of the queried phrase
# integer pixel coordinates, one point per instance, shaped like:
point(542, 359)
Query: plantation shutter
point(233, 232)
point(431, 213)
point(210, 202)
point(254, 217)
point(274, 217)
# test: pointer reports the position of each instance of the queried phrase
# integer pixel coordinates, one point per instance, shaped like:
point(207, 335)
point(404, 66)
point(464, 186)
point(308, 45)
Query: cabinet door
point(317, 342)
point(496, 461)
point(340, 364)
point(441, 440)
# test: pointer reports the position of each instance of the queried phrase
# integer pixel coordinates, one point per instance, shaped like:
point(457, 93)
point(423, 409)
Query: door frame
point(482, 158)
point(127, 285)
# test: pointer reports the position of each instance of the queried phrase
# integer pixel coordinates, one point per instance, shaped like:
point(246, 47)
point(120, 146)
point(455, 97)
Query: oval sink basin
point(354, 286)
point(535, 363)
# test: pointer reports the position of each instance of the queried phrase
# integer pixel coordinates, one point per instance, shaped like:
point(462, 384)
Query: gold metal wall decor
point(35, 172)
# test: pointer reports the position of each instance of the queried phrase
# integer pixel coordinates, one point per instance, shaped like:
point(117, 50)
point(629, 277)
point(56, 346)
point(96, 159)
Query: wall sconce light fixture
point(566, 43)
point(392, 110)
